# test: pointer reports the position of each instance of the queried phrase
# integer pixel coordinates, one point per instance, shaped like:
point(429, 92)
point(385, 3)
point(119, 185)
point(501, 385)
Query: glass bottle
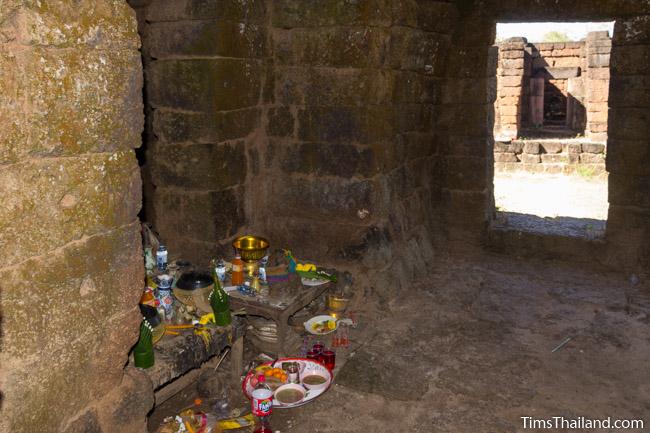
point(237, 276)
point(261, 405)
point(220, 302)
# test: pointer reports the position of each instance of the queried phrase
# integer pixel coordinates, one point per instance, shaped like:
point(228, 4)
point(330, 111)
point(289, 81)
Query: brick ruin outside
point(367, 123)
point(552, 104)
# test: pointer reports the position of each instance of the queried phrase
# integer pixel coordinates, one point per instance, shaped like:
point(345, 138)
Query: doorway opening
point(550, 127)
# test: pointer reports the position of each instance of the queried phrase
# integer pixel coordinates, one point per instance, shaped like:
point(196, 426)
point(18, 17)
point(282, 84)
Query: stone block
point(172, 126)
point(628, 157)
point(411, 87)
point(334, 199)
point(205, 84)
point(510, 81)
point(512, 63)
point(629, 123)
point(631, 60)
point(597, 116)
point(593, 147)
point(531, 147)
point(106, 25)
point(598, 60)
point(251, 11)
point(418, 51)
point(598, 74)
point(515, 91)
point(203, 38)
point(551, 146)
point(592, 158)
point(599, 137)
point(467, 173)
point(437, 17)
point(509, 110)
point(280, 123)
point(184, 215)
point(632, 31)
point(602, 49)
point(510, 73)
point(512, 54)
point(343, 160)
point(563, 73)
point(289, 14)
point(625, 190)
point(346, 47)
point(461, 145)
point(596, 127)
point(557, 158)
point(630, 91)
point(505, 157)
point(50, 202)
point(567, 62)
point(597, 90)
point(199, 166)
point(527, 158)
point(66, 87)
point(572, 148)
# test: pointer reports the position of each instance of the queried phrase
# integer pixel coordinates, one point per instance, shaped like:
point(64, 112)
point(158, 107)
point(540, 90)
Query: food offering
point(315, 379)
point(321, 325)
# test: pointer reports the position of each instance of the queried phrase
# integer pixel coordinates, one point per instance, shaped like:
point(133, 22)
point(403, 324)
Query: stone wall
point(207, 74)
point(70, 250)
point(352, 161)
point(467, 205)
point(533, 78)
point(310, 123)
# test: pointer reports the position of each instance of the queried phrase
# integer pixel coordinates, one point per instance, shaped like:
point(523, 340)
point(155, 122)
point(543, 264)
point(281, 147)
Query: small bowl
point(251, 248)
point(293, 386)
point(315, 387)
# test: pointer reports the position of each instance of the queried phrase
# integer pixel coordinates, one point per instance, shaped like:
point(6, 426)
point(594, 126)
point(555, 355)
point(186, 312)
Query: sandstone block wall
point(571, 78)
point(628, 225)
point(312, 123)
point(70, 250)
point(207, 70)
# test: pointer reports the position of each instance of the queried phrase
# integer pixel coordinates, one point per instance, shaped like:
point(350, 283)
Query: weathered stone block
point(513, 54)
point(631, 60)
point(411, 87)
point(527, 158)
point(199, 166)
point(628, 157)
point(597, 116)
point(630, 91)
point(592, 158)
point(73, 125)
point(294, 13)
point(205, 84)
point(593, 147)
point(206, 38)
point(511, 81)
point(630, 123)
point(466, 173)
point(184, 215)
point(598, 60)
point(632, 31)
point(231, 10)
point(103, 24)
point(555, 158)
point(342, 160)
point(281, 122)
point(437, 17)
point(512, 63)
point(331, 47)
point(573, 148)
point(551, 147)
point(76, 197)
point(333, 199)
point(531, 147)
point(415, 50)
point(627, 190)
point(505, 157)
point(182, 126)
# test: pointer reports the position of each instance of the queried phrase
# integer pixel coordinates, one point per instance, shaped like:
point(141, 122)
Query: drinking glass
point(328, 358)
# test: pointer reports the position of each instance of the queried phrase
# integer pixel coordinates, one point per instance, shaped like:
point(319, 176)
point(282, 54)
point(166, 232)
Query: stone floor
point(471, 352)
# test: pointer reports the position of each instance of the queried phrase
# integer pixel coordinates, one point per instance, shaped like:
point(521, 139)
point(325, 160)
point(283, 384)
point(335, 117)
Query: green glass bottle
point(219, 302)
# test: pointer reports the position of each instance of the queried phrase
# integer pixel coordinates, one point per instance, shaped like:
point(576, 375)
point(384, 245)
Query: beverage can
point(262, 402)
point(161, 258)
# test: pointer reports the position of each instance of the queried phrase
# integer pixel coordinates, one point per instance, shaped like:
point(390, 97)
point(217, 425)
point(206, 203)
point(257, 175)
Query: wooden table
point(282, 301)
point(179, 360)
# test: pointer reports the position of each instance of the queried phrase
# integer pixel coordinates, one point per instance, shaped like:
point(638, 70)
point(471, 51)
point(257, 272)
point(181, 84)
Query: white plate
point(318, 319)
point(314, 281)
point(304, 365)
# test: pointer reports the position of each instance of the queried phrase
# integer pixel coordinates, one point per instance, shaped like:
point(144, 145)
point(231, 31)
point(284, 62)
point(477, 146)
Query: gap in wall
point(550, 127)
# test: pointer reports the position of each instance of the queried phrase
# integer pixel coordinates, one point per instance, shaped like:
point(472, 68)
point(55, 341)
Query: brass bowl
point(337, 302)
point(251, 248)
